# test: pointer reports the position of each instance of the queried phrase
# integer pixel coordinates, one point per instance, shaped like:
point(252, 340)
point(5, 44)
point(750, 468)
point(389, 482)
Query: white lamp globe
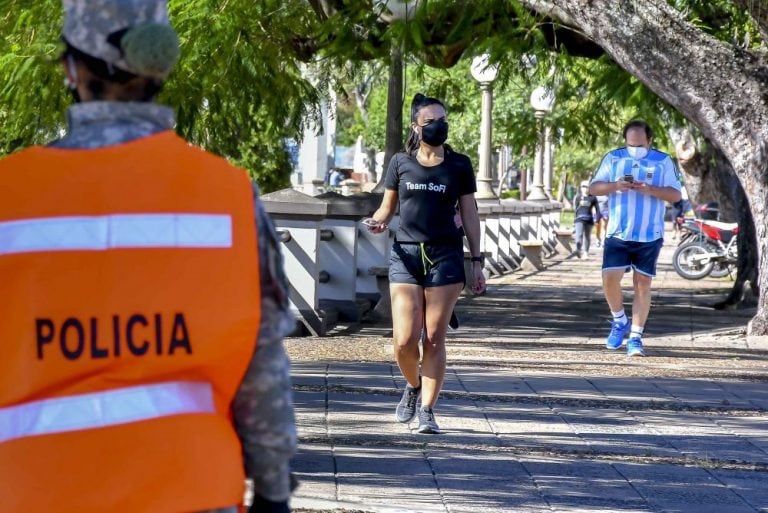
point(481, 71)
point(398, 9)
point(543, 99)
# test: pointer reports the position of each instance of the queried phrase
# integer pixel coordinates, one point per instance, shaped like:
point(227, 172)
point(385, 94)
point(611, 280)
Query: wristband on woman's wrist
point(476, 259)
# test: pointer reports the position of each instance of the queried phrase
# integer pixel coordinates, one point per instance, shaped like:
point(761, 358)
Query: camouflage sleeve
point(263, 406)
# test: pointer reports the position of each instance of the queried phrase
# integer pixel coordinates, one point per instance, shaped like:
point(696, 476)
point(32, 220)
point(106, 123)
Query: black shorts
point(626, 254)
point(427, 265)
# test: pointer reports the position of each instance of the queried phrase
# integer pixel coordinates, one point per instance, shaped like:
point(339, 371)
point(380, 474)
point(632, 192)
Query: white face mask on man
point(637, 152)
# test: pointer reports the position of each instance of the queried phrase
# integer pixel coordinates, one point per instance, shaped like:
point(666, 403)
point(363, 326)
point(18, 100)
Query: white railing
point(334, 265)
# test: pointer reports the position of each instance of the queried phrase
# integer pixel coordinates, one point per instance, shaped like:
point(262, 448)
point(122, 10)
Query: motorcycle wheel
point(687, 269)
point(721, 270)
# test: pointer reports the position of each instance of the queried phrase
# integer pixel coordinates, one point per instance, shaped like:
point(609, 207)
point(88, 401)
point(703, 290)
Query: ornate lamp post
point(542, 101)
point(485, 75)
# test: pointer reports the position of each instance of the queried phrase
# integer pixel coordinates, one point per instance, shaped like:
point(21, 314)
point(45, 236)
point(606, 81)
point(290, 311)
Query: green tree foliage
point(594, 96)
point(726, 20)
point(594, 100)
point(32, 96)
point(241, 88)
point(238, 90)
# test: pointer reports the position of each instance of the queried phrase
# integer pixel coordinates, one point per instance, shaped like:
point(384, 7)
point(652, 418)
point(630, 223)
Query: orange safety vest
point(130, 311)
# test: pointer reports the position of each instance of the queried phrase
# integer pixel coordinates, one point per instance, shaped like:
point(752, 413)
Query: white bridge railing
point(337, 269)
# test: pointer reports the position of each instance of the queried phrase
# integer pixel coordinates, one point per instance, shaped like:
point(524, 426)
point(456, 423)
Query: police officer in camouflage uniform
point(118, 53)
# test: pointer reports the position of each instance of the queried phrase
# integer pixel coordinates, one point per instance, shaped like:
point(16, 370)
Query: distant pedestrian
point(679, 211)
point(585, 210)
point(426, 270)
point(638, 180)
point(336, 177)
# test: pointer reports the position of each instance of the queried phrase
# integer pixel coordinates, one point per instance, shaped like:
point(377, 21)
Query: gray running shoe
point(406, 408)
point(427, 424)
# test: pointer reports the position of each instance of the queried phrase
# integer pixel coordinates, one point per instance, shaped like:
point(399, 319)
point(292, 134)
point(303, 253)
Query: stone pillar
point(317, 151)
point(313, 160)
point(547, 161)
point(536, 191)
point(485, 173)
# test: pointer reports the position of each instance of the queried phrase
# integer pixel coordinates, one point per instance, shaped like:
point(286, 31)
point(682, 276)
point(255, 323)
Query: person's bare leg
point(612, 289)
point(439, 303)
point(407, 321)
point(641, 304)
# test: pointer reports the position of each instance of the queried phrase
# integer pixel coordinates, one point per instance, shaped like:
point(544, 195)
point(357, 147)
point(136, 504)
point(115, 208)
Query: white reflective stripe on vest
point(116, 231)
point(107, 408)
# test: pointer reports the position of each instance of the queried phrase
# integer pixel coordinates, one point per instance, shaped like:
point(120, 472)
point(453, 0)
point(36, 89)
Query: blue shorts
point(626, 254)
point(427, 265)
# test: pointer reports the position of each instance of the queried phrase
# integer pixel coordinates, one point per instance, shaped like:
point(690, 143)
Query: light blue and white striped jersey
point(632, 215)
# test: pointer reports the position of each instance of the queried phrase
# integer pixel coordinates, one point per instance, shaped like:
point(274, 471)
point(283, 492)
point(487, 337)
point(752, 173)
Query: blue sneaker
point(616, 337)
point(635, 347)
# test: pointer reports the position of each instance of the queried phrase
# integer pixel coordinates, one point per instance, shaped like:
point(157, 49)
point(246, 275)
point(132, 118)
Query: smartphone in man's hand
point(629, 178)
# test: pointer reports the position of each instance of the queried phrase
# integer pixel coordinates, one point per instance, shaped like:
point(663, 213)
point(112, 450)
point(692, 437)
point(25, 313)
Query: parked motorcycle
point(689, 230)
point(709, 248)
point(687, 226)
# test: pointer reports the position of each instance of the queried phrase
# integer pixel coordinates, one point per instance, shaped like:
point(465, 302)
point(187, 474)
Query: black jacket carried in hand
point(262, 505)
point(585, 208)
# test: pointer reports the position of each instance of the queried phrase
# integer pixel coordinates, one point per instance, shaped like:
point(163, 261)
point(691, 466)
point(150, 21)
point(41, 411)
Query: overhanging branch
point(550, 9)
point(653, 42)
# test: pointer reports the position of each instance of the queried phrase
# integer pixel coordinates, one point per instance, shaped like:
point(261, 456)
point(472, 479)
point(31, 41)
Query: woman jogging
point(426, 271)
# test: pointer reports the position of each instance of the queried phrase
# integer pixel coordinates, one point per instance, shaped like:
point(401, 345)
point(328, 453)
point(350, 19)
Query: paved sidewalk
point(537, 415)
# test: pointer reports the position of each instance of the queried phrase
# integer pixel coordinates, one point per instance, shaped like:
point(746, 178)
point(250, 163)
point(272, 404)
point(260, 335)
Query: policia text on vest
point(93, 338)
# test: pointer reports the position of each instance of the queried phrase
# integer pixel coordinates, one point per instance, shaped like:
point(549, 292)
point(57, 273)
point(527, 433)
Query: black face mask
point(435, 133)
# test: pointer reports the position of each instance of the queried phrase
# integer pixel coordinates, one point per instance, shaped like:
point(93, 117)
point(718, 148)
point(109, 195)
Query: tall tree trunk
point(715, 179)
point(710, 177)
point(717, 86)
point(747, 266)
point(699, 179)
point(735, 208)
point(394, 134)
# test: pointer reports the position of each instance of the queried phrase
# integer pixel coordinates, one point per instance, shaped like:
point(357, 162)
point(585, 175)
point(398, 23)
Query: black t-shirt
point(428, 196)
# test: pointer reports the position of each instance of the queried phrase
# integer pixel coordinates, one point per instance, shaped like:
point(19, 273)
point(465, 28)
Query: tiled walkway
point(537, 415)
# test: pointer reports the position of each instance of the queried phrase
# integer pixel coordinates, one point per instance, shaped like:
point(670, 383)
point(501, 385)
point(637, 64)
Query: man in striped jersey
point(637, 180)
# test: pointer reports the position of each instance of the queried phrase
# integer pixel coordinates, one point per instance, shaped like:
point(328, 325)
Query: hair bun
point(418, 98)
point(151, 49)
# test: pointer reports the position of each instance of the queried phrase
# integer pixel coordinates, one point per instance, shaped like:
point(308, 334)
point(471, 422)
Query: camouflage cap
point(133, 35)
